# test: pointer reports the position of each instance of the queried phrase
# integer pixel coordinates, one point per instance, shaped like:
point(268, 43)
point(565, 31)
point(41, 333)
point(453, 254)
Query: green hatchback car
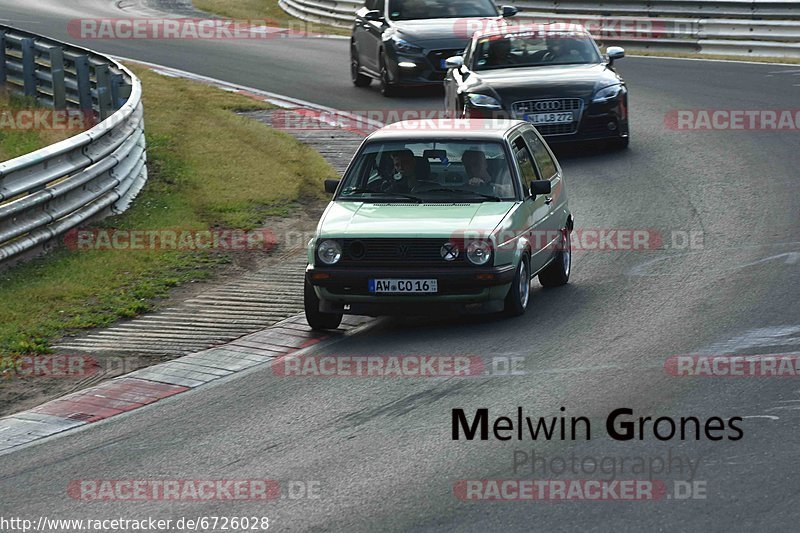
point(459, 215)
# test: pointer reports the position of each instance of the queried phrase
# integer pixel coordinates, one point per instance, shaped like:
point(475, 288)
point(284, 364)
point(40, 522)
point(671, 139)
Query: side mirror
point(331, 185)
point(373, 15)
point(509, 11)
point(454, 62)
point(540, 187)
point(615, 52)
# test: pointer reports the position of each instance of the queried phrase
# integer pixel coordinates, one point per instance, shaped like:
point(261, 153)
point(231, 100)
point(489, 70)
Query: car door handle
point(548, 200)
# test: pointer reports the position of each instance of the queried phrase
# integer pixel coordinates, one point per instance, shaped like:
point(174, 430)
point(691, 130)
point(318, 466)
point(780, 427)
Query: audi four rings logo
point(449, 251)
point(548, 105)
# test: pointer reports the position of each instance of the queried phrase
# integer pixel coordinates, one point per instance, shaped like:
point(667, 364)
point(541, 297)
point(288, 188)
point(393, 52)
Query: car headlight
point(406, 47)
point(479, 252)
point(329, 252)
point(607, 93)
point(482, 100)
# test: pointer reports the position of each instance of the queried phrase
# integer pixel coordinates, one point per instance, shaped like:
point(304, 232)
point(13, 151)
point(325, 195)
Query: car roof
point(522, 29)
point(460, 128)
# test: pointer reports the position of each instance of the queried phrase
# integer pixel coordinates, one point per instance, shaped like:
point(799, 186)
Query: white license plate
point(403, 285)
point(564, 117)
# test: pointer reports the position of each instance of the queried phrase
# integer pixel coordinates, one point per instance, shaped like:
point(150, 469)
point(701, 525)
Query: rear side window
point(525, 162)
point(374, 5)
point(543, 158)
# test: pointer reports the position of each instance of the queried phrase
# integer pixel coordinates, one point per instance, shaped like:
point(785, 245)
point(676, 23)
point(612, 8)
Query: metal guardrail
point(765, 28)
point(97, 172)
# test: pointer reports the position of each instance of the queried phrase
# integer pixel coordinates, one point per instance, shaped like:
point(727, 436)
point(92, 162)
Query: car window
point(547, 167)
point(533, 49)
point(435, 170)
point(525, 161)
point(435, 9)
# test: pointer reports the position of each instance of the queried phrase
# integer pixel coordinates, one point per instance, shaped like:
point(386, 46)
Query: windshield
point(534, 49)
point(429, 171)
point(435, 9)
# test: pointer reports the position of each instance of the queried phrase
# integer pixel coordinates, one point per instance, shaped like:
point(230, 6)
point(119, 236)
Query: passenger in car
point(568, 50)
point(478, 176)
point(476, 167)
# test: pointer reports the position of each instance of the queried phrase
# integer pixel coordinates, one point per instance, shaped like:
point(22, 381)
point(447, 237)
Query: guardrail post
point(57, 74)
point(102, 76)
point(84, 82)
point(3, 57)
point(29, 67)
point(116, 82)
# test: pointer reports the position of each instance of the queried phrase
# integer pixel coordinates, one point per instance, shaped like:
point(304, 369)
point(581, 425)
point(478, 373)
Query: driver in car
point(405, 164)
point(499, 53)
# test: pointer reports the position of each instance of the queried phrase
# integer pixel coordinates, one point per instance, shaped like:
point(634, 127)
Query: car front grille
point(436, 56)
point(396, 252)
point(551, 105)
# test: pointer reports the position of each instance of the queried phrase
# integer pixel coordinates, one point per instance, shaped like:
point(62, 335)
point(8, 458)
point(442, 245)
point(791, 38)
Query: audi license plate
point(403, 285)
point(563, 117)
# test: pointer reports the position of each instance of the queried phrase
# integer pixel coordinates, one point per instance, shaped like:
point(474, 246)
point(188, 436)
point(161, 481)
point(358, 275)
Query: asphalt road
point(381, 449)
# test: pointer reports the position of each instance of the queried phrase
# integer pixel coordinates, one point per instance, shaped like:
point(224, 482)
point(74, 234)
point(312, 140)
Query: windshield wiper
point(390, 193)
point(475, 193)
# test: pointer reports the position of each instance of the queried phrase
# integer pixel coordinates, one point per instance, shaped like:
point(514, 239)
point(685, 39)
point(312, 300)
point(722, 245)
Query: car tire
point(359, 79)
point(315, 318)
point(520, 292)
point(557, 272)
point(387, 88)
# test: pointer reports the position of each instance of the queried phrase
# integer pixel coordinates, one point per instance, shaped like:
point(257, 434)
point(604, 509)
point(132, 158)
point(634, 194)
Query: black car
point(406, 42)
point(552, 76)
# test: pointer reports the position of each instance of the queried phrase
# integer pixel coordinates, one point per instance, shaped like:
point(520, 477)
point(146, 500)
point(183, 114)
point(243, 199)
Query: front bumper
point(427, 69)
point(598, 121)
point(345, 290)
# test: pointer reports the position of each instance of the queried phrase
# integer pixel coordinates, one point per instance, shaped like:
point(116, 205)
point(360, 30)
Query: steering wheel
point(385, 185)
point(543, 56)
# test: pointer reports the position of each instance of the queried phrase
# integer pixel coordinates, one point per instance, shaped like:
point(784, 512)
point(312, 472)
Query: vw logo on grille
point(402, 250)
point(449, 251)
point(547, 105)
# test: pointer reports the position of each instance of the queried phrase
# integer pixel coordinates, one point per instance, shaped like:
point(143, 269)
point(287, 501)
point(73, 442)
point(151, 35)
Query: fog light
point(320, 275)
point(484, 276)
point(406, 64)
point(612, 126)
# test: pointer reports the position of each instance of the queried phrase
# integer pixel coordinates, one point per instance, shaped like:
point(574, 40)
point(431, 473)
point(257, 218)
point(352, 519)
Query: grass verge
point(265, 9)
point(208, 167)
point(16, 138)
